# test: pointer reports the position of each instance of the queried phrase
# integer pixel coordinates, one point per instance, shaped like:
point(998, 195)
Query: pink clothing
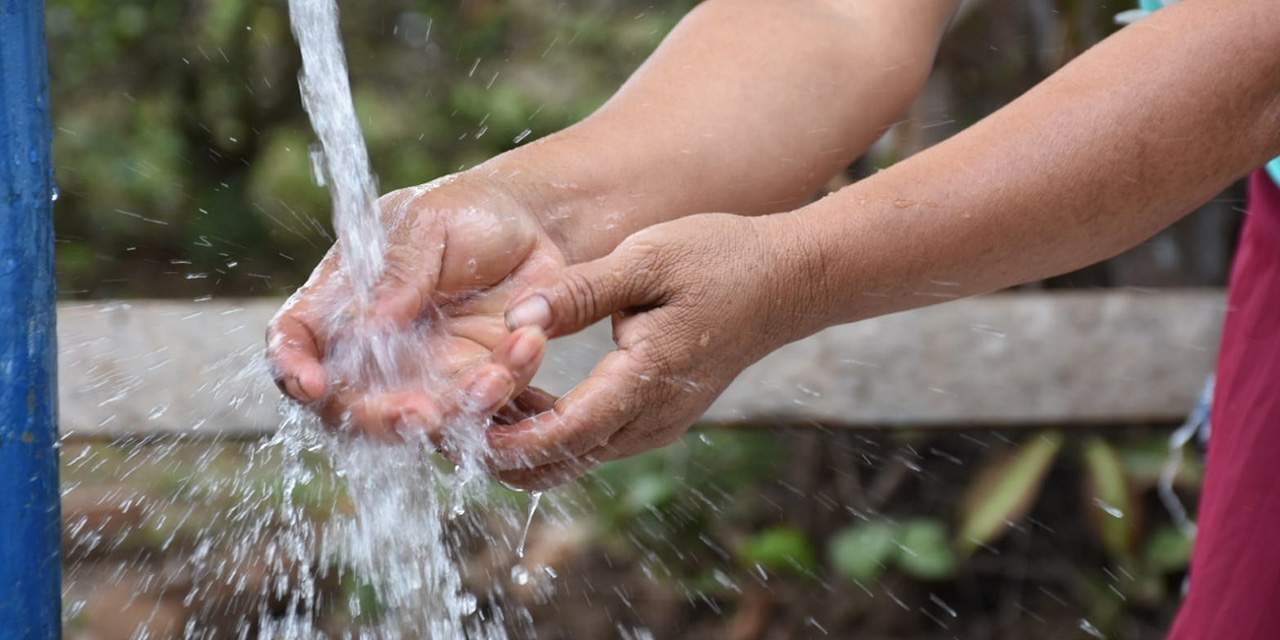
point(1235, 569)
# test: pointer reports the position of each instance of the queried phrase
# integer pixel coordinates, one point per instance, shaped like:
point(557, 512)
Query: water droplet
point(519, 575)
point(813, 622)
point(1108, 508)
point(535, 498)
point(53, 195)
point(1088, 628)
point(468, 604)
point(317, 165)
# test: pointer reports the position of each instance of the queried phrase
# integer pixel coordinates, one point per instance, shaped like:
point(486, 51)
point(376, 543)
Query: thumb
point(583, 294)
point(408, 281)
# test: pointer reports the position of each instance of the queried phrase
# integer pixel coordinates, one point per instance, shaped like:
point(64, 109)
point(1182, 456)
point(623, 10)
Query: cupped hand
point(429, 343)
point(693, 302)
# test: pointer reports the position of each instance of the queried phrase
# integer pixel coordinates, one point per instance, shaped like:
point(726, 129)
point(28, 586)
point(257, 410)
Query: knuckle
point(394, 205)
point(581, 297)
point(647, 250)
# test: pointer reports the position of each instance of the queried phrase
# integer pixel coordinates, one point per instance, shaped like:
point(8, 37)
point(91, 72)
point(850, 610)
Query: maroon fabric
point(1235, 569)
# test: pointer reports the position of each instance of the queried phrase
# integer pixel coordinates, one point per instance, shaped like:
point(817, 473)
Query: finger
point(485, 390)
point(633, 439)
point(294, 351)
point(521, 353)
point(547, 476)
point(527, 404)
point(296, 337)
point(584, 294)
point(408, 281)
point(391, 417)
point(581, 421)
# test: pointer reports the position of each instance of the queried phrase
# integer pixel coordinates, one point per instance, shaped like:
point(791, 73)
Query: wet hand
point(457, 251)
point(693, 302)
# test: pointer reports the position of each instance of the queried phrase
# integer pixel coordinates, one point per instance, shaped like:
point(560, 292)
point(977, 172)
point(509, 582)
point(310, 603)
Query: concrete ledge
point(1015, 359)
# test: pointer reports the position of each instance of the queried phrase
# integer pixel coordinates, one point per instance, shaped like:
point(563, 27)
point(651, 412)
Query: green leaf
point(362, 599)
point(781, 549)
point(1168, 551)
point(649, 490)
point(1005, 491)
point(925, 550)
point(860, 552)
point(1144, 463)
point(1111, 508)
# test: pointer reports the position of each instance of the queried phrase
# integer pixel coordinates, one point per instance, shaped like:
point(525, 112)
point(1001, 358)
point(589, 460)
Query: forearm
point(1122, 142)
point(747, 107)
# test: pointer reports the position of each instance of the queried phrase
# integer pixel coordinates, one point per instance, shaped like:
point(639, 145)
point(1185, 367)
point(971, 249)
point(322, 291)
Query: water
point(343, 159)
point(400, 538)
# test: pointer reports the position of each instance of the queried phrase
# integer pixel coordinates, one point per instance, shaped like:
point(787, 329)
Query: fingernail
point(415, 419)
point(491, 389)
point(311, 384)
point(408, 422)
point(532, 312)
point(526, 347)
point(293, 387)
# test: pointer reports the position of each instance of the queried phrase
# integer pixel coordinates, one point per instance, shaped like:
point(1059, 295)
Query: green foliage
point(1113, 480)
point(1168, 551)
point(919, 548)
point(361, 598)
point(1144, 461)
point(926, 553)
point(863, 551)
point(780, 549)
point(181, 147)
point(671, 505)
point(1107, 487)
point(1005, 491)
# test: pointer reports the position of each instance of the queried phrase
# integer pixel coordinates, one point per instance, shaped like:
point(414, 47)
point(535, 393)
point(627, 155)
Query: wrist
point(579, 204)
point(799, 278)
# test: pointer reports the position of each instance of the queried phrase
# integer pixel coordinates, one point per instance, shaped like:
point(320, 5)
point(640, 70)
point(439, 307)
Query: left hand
point(458, 250)
point(694, 302)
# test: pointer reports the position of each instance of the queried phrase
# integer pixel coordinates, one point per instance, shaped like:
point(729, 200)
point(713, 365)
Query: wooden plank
point(1014, 359)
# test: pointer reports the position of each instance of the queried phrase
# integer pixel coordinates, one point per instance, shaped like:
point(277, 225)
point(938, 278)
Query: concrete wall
point(1014, 359)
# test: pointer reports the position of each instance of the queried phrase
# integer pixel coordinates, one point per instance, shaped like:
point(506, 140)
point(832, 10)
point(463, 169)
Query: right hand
point(458, 249)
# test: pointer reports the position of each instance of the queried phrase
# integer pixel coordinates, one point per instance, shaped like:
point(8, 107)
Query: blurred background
point(182, 156)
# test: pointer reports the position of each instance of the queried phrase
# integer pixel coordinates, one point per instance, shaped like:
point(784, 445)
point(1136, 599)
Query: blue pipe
point(30, 514)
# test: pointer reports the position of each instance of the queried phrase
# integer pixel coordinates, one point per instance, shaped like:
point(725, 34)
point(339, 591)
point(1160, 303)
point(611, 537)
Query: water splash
point(398, 538)
point(535, 498)
point(326, 94)
point(1088, 628)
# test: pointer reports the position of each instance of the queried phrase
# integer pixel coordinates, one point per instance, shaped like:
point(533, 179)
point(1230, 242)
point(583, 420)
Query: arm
point(1120, 143)
point(748, 106)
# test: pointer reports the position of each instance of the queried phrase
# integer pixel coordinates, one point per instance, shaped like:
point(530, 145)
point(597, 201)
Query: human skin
point(747, 107)
point(1120, 143)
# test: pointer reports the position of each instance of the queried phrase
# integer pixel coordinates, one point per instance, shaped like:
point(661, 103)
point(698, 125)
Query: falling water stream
point(401, 534)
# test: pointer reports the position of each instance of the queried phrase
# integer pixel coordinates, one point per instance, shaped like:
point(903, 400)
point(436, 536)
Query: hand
point(694, 302)
point(457, 251)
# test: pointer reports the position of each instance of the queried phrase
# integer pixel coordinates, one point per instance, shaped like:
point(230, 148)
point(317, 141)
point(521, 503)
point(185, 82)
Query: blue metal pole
point(30, 518)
